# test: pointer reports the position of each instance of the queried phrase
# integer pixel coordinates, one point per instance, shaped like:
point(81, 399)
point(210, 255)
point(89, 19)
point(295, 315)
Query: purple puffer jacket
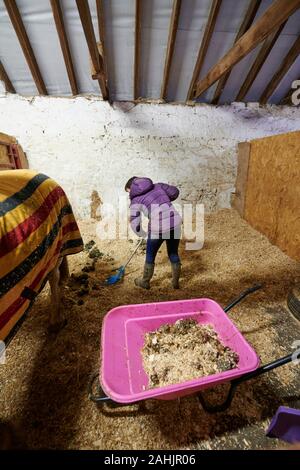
point(154, 201)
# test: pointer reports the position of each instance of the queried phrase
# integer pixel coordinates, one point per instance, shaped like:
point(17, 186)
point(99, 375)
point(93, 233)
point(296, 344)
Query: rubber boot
point(176, 271)
point(144, 281)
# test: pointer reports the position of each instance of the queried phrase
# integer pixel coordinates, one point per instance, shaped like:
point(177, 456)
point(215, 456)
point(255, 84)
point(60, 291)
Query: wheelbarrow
point(122, 379)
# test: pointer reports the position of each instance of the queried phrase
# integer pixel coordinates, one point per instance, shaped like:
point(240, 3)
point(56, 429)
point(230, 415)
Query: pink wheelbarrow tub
point(122, 379)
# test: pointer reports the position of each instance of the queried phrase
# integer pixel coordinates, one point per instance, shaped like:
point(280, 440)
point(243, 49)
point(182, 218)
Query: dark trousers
point(172, 240)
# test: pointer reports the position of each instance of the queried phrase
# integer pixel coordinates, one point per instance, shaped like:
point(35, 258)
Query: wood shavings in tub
point(184, 351)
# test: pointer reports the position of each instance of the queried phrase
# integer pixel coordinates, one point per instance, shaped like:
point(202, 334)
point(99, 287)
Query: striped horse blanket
point(37, 227)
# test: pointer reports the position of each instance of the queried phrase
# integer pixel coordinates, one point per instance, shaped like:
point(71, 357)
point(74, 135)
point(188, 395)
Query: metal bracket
point(242, 296)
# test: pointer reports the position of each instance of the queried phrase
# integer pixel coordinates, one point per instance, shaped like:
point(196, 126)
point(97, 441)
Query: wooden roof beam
point(137, 48)
point(259, 62)
point(282, 70)
point(21, 33)
point(101, 27)
point(170, 47)
point(246, 23)
point(64, 44)
point(5, 78)
point(273, 17)
point(88, 29)
point(213, 14)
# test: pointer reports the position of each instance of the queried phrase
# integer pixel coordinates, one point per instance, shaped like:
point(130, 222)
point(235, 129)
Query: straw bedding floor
point(44, 382)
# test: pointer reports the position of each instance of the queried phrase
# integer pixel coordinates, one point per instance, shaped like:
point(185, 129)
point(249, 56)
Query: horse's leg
point(56, 280)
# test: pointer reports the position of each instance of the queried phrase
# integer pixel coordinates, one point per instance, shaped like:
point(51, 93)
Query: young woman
point(155, 201)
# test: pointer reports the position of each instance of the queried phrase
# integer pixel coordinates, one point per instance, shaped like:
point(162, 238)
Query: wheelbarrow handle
point(242, 296)
point(234, 383)
point(266, 368)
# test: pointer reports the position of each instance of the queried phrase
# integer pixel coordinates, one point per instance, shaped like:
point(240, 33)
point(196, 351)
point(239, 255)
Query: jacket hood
point(140, 186)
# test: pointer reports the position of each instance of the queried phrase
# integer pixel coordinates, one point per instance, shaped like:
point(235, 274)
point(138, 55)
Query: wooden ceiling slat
point(273, 17)
point(101, 27)
point(97, 61)
point(204, 45)
point(247, 22)
point(137, 49)
point(259, 62)
point(21, 33)
point(5, 78)
point(282, 70)
point(64, 44)
point(170, 47)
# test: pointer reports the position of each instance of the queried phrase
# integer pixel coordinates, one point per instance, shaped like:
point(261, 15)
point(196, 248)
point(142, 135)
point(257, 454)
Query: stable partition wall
point(268, 189)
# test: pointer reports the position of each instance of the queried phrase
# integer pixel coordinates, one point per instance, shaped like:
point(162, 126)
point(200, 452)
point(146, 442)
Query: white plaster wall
point(87, 145)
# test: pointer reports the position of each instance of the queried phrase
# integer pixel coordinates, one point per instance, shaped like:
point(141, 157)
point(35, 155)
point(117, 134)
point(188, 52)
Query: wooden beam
point(96, 75)
point(259, 62)
point(282, 70)
point(273, 17)
point(20, 30)
point(171, 45)
point(204, 45)
point(64, 44)
point(137, 48)
point(246, 23)
point(88, 29)
point(5, 78)
point(101, 28)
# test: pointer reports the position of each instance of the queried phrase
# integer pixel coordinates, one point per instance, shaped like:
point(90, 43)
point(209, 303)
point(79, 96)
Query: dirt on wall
point(96, 203)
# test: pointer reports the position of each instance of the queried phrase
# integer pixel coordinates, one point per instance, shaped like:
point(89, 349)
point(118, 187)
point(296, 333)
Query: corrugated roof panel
point(12, 56)
point(285, 85)
point(120, 24)
point(229, 20)
point(119, 35)
point(241, 69)
point(192, 22)
point(156, 16)
point(78, 46)
point(40, 27)
point(279, 51)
